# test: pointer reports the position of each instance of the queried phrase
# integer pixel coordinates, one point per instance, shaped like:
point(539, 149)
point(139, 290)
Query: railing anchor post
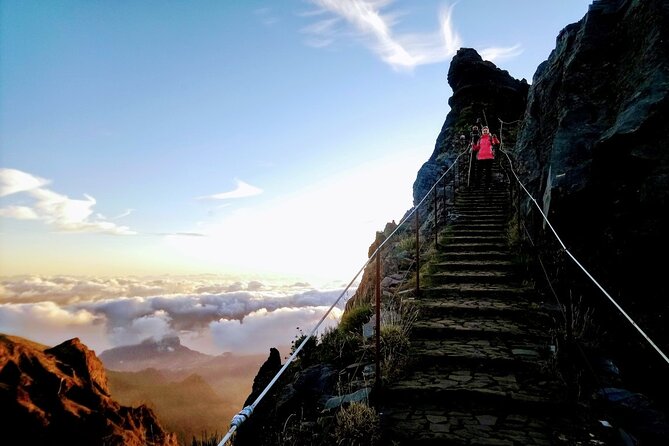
point(377, 328)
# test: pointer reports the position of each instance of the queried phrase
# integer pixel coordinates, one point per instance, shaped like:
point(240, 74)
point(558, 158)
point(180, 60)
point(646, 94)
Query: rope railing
point(247, 411)
point(580, 266)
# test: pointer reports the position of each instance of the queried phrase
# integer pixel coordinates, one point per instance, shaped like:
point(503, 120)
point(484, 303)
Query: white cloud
point(241, 191)
point(19, 213)
point(50, 324)
point(13, 181)
point(60, 211)
point(262, 329)
point(155, 326)
point(407, 51)
point(106, 312)
point(494, 54)
point(376, 29)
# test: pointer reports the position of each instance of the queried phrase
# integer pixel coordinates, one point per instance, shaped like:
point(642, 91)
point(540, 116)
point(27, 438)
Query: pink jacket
point(484, 147)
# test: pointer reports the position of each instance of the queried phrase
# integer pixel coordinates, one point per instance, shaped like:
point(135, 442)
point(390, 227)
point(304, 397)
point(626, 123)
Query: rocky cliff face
point(60, 395)
point(593, 150)
point(481, 92)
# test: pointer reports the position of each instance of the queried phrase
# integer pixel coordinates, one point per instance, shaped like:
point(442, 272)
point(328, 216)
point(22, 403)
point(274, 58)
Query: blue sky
point(188, 137)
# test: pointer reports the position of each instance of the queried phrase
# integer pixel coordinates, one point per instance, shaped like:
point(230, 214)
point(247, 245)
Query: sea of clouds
point(211, 314)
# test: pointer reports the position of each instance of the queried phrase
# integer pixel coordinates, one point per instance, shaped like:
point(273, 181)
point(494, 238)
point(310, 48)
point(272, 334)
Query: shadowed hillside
point(60, 395)
point(175, 380)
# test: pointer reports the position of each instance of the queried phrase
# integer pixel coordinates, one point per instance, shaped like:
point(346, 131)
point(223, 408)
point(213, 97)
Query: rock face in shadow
point(298, 394)
point(593, 150)
point(60, 395)
point(481, 92)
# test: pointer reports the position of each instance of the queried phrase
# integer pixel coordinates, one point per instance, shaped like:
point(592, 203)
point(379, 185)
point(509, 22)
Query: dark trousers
point(484, 171)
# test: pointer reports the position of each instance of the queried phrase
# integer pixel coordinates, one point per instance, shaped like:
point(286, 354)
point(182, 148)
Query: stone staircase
point(480, 370)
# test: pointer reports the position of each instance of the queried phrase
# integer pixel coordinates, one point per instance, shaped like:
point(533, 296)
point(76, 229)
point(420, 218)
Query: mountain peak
point(60, 395)
point(164, 354)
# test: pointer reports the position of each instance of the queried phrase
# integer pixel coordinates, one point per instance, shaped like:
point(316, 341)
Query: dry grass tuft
point(357, 424)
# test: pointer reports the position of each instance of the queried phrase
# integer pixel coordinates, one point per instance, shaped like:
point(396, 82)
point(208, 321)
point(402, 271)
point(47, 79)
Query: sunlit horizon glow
point(255, 140)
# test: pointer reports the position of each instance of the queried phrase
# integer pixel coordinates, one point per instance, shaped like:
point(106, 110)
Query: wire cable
point(587, 273)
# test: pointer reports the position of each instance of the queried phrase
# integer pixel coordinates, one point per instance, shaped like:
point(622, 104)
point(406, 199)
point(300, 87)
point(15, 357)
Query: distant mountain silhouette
point(165, 354)
point(175, 380)
point(60, 395)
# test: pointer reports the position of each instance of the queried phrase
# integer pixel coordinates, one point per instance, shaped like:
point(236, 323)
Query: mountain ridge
point(60, 395)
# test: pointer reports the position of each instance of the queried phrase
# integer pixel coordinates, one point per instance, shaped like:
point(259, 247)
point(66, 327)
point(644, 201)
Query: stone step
point(482, 217)
point(501, 202)
point(474, 264)
point(478, 232)
point(475, 210)
point(478, 226)
point(482, 203)
point(405, 424)
point(487, 276)
point(477, 353)
point(481, 306)
point(473, 247)
point(459, 238)
point(474, 256)
point(479, 192)
point(477, 291)
point(475, 218)
point(526, 391)
point(496, 222)
point(443, 327)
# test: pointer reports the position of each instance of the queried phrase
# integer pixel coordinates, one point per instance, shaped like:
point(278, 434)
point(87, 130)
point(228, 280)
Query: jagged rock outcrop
point(297, 395)
point(267, 371)
point(593, 146)
point(481, 91)
point(60, 395)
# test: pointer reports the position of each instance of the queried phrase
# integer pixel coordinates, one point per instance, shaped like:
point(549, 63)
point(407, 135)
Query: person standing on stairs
point(485, 155)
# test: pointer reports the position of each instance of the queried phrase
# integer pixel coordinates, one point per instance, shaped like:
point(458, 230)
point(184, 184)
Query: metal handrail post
point(443, 198)
point(377, 328)
point(436, 217)
point(417, 253)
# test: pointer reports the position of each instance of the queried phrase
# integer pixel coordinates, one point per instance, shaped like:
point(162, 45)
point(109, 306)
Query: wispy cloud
point(241, 191)
point(123, 214)
point(493, 54)
point(13, 181)
point(19, 213)
point(375, 28)
point(59, 211)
